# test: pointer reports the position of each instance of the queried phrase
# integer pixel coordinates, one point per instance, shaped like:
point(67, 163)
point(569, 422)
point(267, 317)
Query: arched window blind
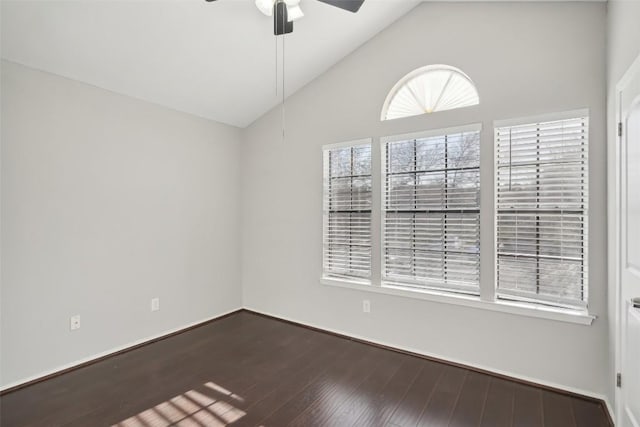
point(429, 89)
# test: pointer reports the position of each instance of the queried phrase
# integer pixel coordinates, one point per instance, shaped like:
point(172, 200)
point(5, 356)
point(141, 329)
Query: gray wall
point(107, 202)
point(526, 59)
point(623, 38)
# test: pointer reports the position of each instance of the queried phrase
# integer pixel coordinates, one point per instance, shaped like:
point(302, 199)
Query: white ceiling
point(215, 60)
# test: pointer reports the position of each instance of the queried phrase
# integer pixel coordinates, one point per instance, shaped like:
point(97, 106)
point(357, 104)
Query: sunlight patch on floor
point(222, 390)
point(192, 408)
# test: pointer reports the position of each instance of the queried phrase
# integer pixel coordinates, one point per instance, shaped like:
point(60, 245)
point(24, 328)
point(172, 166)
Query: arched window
point(429, 89)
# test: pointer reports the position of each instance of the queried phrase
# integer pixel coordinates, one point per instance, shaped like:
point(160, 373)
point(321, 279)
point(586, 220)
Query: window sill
point(512, 307)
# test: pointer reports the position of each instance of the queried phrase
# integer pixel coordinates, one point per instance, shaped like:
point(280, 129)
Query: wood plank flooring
point(248, 370)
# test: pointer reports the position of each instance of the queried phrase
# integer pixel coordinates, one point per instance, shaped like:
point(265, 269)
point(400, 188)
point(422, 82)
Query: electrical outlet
point(74, 322)
point(366, 306)
point(155, 304)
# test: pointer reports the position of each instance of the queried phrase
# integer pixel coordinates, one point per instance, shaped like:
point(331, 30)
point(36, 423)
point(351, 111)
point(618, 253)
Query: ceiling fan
point(284, 12)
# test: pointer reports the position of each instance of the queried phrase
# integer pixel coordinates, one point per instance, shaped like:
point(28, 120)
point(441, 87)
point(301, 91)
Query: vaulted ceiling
point(214, 60)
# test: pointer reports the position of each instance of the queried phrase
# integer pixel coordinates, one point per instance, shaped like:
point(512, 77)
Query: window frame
point(531, 120)
point(487, 300)
point(325, 217)
point(412, 285)
point(421, 72)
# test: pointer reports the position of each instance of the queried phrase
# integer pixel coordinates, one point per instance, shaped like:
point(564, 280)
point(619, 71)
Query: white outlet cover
point(155, 304)
point(74, 322)
point(366, 306)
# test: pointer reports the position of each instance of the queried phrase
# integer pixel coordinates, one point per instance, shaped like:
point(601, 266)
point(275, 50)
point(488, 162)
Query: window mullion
point(488, 215)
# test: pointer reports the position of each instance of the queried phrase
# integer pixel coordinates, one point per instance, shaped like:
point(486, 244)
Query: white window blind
point(347, 211)
point(541, 206)
point(429, 89)
point(431, 211)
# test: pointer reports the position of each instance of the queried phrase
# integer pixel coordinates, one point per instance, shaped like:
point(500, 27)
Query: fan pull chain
point(283, 94)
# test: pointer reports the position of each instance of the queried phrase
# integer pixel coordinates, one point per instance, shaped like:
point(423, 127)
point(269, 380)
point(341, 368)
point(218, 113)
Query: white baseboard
point(446, 359)
point(612, 413)
point(111, 351)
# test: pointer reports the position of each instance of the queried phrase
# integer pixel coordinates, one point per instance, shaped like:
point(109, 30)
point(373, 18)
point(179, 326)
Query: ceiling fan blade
point(350, 5)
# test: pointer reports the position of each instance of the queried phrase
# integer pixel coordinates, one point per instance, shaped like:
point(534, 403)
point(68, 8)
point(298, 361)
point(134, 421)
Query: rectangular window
point(541, 210)
point(431, 210)
point(347, 211)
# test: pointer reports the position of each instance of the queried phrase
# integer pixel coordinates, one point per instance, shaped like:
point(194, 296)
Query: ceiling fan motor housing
point(281, 24)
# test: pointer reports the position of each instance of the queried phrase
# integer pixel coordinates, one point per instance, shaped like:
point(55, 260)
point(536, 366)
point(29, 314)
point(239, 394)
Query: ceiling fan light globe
point(294, 13)
point(265, 6)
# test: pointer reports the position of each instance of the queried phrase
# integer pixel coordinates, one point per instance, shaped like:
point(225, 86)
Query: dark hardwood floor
point(248, 370)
